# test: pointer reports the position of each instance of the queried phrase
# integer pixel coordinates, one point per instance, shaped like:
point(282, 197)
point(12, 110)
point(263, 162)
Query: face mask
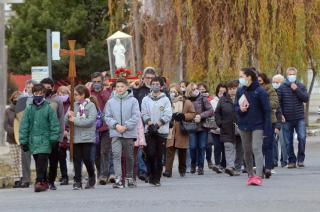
point(195, 93)
point(48, 92)
point(38, 99)
point(64, 98)
point(155, 88)
point(243, 82)
point(220, 95)
point(276, 85)
point(97, 87)
point(292, 78)
point(182, 89)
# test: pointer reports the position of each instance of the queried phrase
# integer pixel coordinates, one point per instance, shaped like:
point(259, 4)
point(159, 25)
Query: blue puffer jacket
point(258, 115)
point(291, 102)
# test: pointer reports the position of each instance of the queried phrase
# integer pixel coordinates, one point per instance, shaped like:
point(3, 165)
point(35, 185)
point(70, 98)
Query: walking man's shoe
point(52, 187)
point(217, 169)
point(118, 183)
point(300, 164)
point(292, 166)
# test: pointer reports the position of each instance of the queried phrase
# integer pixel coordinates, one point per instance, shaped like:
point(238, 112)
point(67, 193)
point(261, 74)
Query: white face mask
point(276, 85)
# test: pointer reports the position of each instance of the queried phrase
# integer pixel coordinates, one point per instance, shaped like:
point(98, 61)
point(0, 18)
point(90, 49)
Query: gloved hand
point(197, 119)
point(180, 117)
point(24, 147)
point(153, 128)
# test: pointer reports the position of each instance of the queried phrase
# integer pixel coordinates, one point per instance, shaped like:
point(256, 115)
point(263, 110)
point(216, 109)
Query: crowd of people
point(124, 131)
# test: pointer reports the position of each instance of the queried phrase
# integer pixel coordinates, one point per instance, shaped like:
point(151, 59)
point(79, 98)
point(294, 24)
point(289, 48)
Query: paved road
point(287, 190)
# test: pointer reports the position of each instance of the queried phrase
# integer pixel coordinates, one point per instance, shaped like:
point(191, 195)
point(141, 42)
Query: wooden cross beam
point(72, 75)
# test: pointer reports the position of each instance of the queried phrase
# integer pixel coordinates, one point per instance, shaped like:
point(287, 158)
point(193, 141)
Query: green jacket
point(274, 101)
point(39, 128)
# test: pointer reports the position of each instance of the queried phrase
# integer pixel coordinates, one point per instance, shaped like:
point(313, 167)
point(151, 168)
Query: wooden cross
point(72, 75)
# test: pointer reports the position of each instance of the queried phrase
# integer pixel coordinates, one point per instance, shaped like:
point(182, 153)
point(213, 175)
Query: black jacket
point(225, 117)
point(291, 102)
point(140, 93)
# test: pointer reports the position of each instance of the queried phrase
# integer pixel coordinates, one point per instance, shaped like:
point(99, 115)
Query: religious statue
point(119, 54)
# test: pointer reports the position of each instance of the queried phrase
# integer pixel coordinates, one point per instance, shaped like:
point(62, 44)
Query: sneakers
point(131, 183)
point(267, 173)
point(103, 181)
point(52, 186)
point(217, 169)
point(64, 181)
point(300, 164)
point(254, 180)
point(200, 171)
point(230, 171)
point(144, 177)
point(292, 166)
point(112, 179)
point(118, 183)
point(167, 174)
point(17, 184)
point(193, 170)
point(210, 165)
point(91, 183)
point(77, 186)
point(40, 186)
point(24, 185)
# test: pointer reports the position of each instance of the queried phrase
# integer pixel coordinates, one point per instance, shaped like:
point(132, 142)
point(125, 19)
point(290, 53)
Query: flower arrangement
point(123, 73)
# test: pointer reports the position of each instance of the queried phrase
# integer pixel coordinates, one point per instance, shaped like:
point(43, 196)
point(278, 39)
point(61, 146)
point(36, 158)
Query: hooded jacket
point(124, 111)
point(155, 109)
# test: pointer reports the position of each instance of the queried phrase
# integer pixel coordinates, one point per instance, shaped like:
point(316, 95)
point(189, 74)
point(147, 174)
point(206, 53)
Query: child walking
point(39, 129)
point(122, 115)
point(84, 119)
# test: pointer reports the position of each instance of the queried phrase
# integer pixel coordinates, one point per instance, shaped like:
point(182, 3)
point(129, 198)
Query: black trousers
point(53, 162)
point(82, 153)
point(154, 156)
point(41, 161)
point(62, 157)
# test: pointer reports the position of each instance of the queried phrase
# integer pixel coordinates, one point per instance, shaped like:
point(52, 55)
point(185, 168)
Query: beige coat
point(176, 138)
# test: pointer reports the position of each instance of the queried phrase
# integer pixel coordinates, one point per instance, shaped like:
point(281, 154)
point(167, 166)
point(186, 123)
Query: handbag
point(188, 127)
point(210, 123)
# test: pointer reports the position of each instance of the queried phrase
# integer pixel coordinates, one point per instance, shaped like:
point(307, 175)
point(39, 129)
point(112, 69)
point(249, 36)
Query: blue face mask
point(292, 78)
point(97, 87)
point(243, 82)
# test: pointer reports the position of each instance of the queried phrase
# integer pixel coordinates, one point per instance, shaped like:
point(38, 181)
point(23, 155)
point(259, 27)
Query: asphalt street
point(287, 190)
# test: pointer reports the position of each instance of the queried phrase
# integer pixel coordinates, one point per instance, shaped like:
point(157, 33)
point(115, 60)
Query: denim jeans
point(142, 167)
point(219, 154)
point(284, 156)
point(197, 143)
point(288, 130)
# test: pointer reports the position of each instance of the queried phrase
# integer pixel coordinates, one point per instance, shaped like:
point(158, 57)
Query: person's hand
point(120, 128)
point(294, 86)
point(24, 147)
point(71, 118)
point(153, 128)
point(70, 113)
point(283, 119)
point(244, 108)
point(276, 131)
point(197, 119)
point(65, 134)
point(180, 116)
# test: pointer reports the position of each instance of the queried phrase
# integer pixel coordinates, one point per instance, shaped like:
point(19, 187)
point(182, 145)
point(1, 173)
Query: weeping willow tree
point(210, 40)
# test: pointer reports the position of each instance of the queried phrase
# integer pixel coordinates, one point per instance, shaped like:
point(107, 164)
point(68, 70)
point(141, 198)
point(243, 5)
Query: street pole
point(3, 79)
point(49, 52)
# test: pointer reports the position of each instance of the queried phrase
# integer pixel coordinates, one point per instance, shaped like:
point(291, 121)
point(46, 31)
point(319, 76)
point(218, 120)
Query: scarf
point(81, 111)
